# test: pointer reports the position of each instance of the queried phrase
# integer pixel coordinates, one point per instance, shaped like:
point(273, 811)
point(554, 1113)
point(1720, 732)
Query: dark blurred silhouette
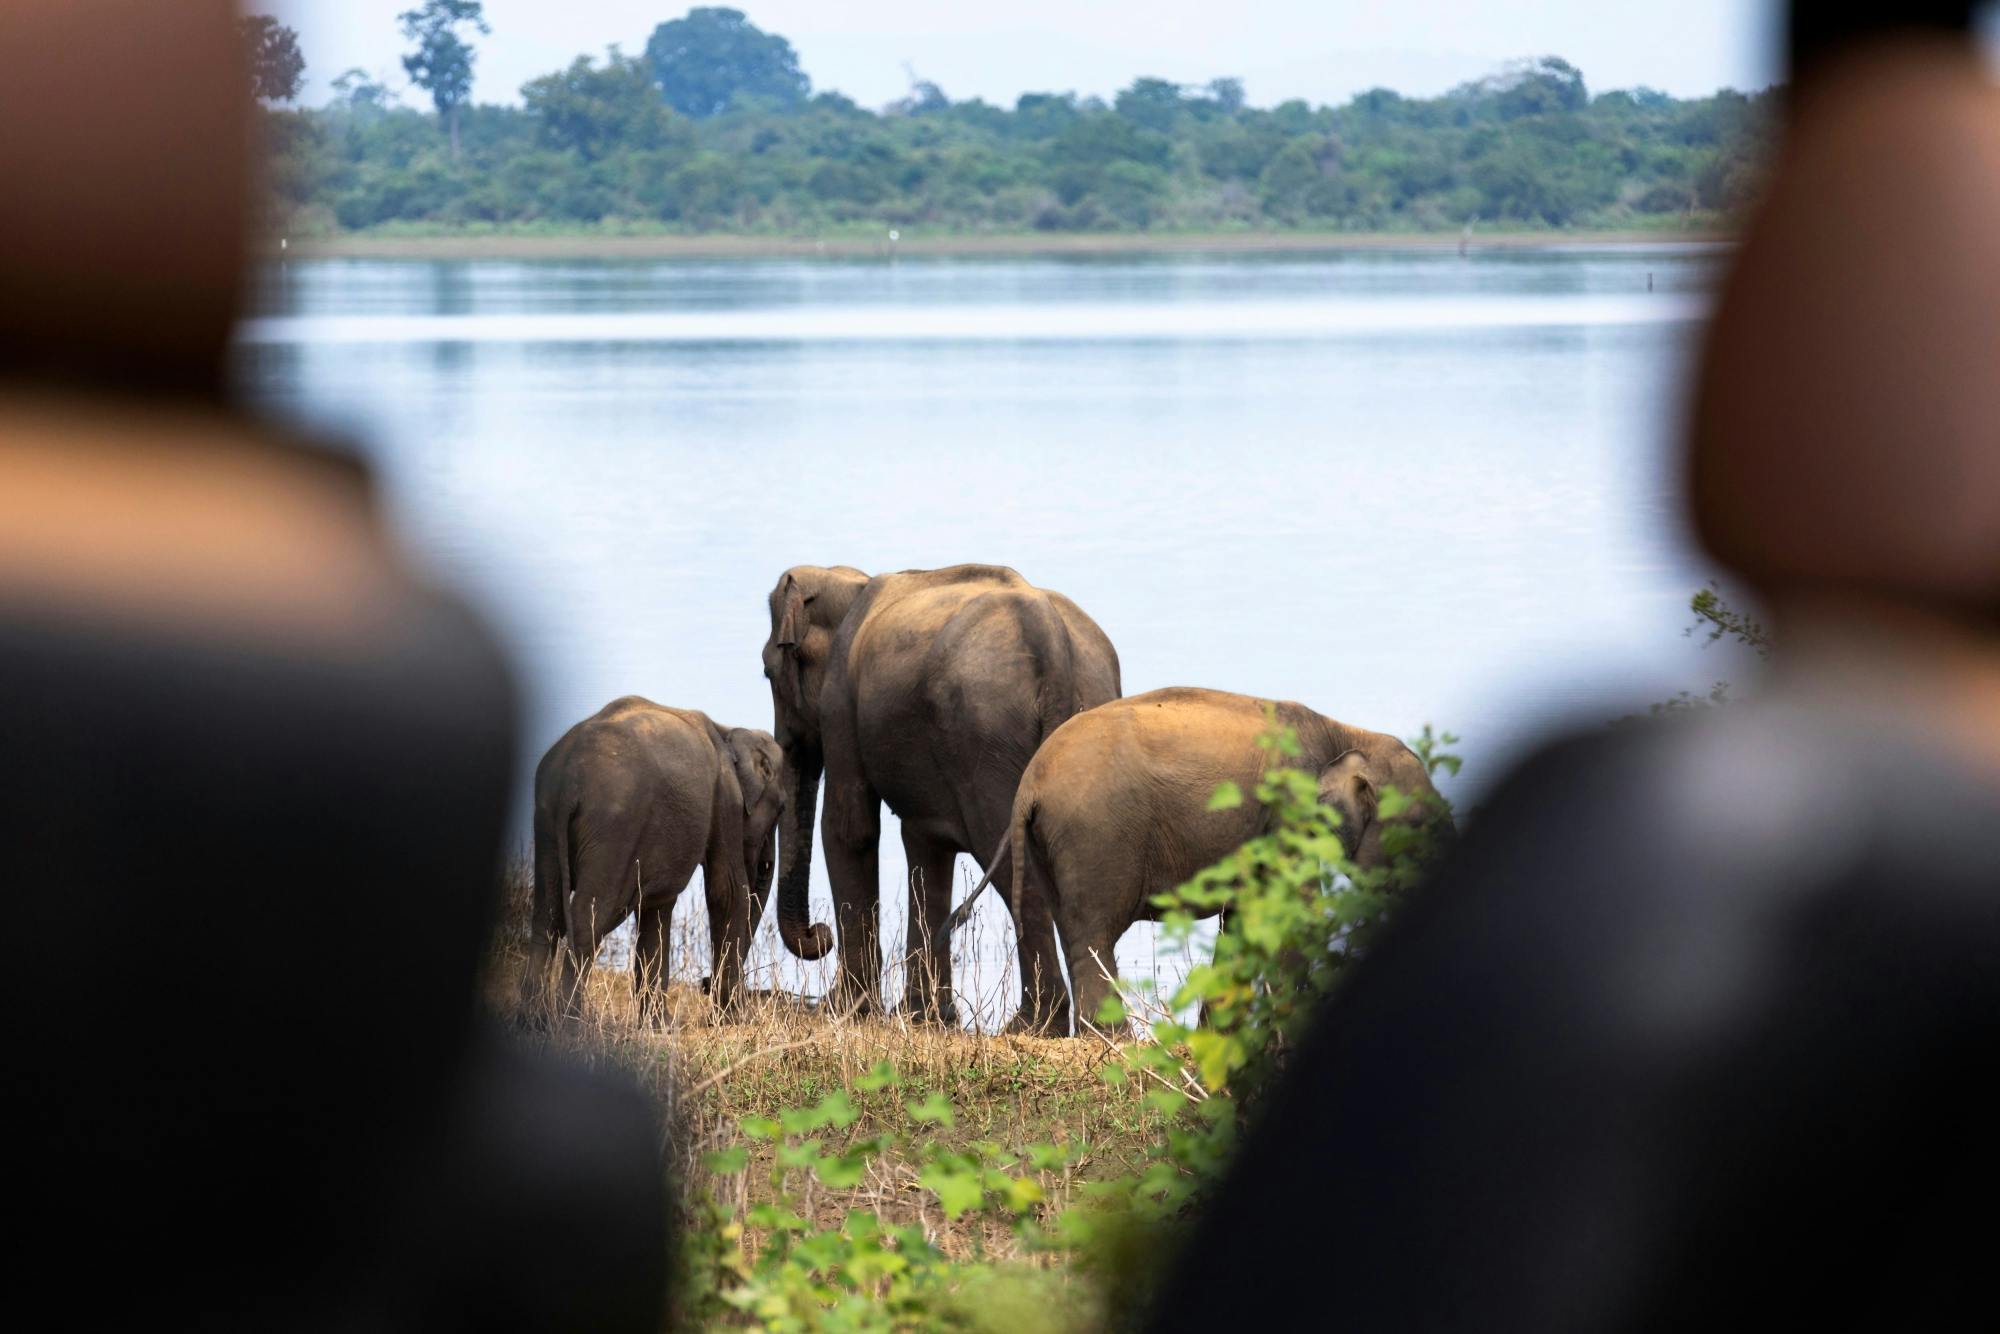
point(1692, 1031)
point(253, 780)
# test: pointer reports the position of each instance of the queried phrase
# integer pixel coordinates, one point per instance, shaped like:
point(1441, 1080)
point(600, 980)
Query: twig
point(734, 1066)
point(1194, 1094)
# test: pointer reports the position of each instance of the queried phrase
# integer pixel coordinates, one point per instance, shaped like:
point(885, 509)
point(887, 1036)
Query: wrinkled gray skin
point(1113, 809)
point(627, 804)
point(929, 690)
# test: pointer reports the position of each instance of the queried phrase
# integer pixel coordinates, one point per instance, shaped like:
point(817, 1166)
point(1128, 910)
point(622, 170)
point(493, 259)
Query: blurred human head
point(1844, 429)
point(124, 130)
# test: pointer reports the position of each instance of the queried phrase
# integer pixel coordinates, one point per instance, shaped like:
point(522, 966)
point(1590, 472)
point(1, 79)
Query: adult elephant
point(1114, 809)
point(627, 804)
point(929, 690)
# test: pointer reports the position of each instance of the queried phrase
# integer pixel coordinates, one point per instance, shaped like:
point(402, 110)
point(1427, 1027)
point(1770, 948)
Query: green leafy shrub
point(1297, 913)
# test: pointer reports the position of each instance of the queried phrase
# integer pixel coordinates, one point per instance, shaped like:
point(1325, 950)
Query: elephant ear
point(1349, 783)
point(762, 765)
point(754, 771)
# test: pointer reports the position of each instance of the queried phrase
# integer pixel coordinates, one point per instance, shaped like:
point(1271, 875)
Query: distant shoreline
point(722, 246)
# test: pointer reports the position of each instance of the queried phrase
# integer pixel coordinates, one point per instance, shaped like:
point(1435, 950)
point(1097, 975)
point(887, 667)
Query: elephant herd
point(987, 714)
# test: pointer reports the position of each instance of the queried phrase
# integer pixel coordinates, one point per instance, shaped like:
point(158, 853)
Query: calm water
point(1400, 487)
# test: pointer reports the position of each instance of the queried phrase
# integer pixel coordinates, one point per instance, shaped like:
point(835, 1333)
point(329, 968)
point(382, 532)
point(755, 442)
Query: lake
point(1402, 487)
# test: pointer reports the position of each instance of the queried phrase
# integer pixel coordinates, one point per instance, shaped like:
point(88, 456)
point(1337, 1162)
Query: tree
point(356, 91)
point(1303, 180)
point(705, 60)
point(595, 139)
point(1227, 94)
point(1153, 103)
point(924, 98)
point(442, 63)
point(597, 112)
point(1540, 87)
point(1044, 115)
point(272, 52)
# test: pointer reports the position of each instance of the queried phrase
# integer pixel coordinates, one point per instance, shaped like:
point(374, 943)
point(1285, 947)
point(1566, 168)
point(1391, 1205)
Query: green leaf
point(1023, 1193)
point(957, 1191)
point(841, 1173)
point(1227, 797)
point(1111, 1011)
point(726, 1162)
point(775, 1219)
point(1215, 1056)
point(760, 1127)
point(881, 1076)
point(822, 1252)
point(798, 1155)
point(835, 1109)
point(1048, 1157)
point(935, 1108)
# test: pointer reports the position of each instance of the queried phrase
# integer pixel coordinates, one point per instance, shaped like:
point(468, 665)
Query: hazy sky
point(1321, 50)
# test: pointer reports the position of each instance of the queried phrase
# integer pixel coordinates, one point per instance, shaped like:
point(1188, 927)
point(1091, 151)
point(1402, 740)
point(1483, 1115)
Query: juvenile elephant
point(1114, 808)
point(627, 804)
point(929, 690)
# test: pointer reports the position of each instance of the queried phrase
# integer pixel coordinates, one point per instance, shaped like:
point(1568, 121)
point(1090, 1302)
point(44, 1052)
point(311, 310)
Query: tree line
point(715, 128)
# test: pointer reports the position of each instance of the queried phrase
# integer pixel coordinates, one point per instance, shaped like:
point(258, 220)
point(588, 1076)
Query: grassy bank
point(708, 1075)
point(1001, 1097)
point(501, 244)
point(877, 1174)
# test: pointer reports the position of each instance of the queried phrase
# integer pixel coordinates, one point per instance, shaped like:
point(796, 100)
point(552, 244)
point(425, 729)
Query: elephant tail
point(548, 916)
point(993, 864)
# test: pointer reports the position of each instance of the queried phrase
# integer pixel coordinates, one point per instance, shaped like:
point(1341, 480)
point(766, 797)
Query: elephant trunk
point(804, 937)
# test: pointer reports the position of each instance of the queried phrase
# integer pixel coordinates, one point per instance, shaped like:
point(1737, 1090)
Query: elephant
point(1113, 809)
point(627, 804)
point(929, 690)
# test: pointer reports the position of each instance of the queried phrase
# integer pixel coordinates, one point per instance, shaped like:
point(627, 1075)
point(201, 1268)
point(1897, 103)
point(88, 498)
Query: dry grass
point(778, 1052)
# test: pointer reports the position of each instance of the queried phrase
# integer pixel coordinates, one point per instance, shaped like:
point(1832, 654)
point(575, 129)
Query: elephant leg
point(853, 834)
point(729, 927)
point(1222, 926)
point(577, 958)
point(927, 990)
point(607, 889)
point(649, 958)
point(1045, 1009)
point(545, 919)
point(1093, 961)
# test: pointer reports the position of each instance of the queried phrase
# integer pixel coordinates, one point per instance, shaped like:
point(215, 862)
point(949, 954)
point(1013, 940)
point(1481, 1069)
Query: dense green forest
point(715, 128)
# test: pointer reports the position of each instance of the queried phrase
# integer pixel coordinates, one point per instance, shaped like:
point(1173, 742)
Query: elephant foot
point(931, 1012)
point(1039, 1023)
point(848, 1005)
point(851, 998)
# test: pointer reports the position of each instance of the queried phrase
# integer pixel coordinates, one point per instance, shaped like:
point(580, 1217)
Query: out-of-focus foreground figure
point(1692, 1032)
point(253, 779)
